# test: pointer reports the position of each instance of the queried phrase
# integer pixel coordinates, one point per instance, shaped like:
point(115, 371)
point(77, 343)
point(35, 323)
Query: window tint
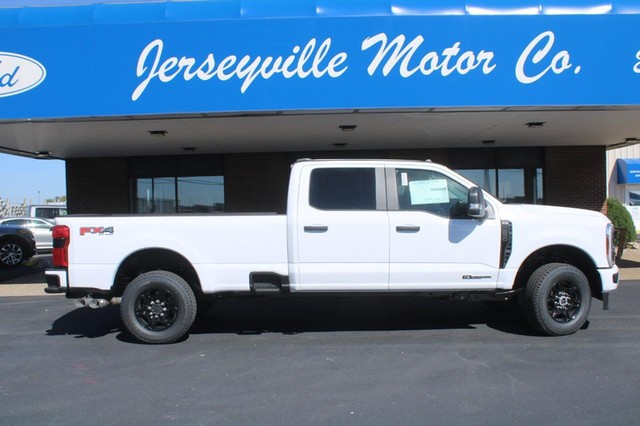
point(431, 192)
point(16, 222)
point(343, 189)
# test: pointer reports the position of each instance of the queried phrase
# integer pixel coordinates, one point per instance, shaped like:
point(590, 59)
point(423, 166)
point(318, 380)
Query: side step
point(268, 283)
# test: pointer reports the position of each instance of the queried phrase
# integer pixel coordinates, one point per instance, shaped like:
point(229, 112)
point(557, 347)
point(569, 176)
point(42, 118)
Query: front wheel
point(158, 307)
point(557, 299)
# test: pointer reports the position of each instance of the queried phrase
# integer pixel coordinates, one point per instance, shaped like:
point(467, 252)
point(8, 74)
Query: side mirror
point(476, 203)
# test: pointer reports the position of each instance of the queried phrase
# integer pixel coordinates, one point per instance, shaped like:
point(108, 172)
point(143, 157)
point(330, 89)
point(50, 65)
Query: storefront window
point(484, 178)
point(200, 194)
point(509, 185)
point(194, 194)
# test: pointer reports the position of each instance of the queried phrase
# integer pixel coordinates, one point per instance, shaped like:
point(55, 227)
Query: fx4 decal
point(94, 230)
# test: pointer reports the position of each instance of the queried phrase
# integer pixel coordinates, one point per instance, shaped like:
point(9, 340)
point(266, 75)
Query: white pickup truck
point(352, 227)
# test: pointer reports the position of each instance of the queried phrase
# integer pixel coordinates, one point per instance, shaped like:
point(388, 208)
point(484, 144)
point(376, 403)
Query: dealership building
point(203, 105)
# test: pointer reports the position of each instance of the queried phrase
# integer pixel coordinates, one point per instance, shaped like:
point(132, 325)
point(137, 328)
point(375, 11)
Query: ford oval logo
point(19, 73)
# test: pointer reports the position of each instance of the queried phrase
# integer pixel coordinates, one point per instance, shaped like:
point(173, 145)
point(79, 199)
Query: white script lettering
point(544, 43)
point(449, 61)
point(312, 60)
point(636, 68)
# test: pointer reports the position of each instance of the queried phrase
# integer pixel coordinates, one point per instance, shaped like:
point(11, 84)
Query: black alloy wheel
point(158, 307)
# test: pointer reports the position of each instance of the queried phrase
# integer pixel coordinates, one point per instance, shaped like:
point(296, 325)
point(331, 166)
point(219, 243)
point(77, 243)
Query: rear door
point(342, 229)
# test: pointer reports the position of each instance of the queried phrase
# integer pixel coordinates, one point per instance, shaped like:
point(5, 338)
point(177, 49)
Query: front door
point(433, 244)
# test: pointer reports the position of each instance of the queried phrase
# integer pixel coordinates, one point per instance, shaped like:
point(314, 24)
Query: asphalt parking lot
point(332, 361)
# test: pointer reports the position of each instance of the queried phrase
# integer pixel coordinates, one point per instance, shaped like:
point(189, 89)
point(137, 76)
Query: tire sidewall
point(538, 290)
point(22, 253)
point(180, 291)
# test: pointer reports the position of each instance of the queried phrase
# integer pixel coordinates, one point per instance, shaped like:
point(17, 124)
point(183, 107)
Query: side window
point(16, 222)
point(39, 224)
point(432, 192)
point(343, 189)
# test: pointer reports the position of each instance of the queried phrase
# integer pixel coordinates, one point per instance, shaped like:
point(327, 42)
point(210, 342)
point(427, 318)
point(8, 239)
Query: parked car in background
point(17, 244)
point(46, 211)
point(41, 229)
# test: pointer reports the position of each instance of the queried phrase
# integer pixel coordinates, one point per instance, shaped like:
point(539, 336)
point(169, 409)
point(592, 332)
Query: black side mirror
point(476, 205)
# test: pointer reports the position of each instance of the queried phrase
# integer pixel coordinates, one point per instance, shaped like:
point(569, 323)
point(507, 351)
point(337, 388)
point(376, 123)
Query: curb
point(17, 290)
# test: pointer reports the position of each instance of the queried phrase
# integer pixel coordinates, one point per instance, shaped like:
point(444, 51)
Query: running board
point(268, 283)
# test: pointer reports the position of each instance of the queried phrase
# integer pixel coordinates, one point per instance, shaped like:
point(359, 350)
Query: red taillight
point(61, 236)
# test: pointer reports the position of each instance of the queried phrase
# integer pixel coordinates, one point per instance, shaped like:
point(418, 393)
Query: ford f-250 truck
point(352, 227)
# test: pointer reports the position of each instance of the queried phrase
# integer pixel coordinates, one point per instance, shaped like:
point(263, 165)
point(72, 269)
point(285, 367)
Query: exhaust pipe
point(83, 303)
point(98, 303)
point(90, 302)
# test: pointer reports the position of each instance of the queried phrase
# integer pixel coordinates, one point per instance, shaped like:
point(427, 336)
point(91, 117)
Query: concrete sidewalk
point(629, 266)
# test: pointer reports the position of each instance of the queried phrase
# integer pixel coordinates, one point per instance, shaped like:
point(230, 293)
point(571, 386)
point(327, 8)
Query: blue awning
point(628, 170)
point(66, 12)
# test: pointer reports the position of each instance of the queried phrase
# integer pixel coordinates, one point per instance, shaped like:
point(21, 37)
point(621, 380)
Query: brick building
point(202, 106)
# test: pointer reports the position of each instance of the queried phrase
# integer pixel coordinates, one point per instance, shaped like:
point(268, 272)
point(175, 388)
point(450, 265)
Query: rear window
point(343, 189)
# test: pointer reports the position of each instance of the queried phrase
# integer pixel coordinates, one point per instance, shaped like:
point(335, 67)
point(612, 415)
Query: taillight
point(61, 236)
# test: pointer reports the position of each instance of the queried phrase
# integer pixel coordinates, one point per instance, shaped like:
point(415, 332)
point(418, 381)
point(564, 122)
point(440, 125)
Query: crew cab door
point(433, 243)
point(341, 230)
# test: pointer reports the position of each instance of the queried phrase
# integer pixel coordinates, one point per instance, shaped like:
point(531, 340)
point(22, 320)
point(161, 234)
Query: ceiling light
point(157, 133)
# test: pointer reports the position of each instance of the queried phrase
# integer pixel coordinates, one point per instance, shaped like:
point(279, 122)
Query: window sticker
point(429, 192)
point(404, 178)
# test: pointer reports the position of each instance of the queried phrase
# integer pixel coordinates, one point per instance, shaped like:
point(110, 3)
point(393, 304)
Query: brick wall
point(97, 186)
point(575, 177)
point(256, 182)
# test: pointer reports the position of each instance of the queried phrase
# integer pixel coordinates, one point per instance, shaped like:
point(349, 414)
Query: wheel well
point(155, 260)
point(19, 240)
point(560, 254)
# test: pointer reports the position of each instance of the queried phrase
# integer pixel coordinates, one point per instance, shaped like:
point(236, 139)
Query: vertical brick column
point(575, 176)
point(256, 182)
point(97, 186)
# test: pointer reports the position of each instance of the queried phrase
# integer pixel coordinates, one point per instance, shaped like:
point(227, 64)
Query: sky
point(31, 180)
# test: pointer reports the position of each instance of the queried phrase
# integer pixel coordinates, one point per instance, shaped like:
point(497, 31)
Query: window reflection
point(509, 185)
point(194, 194)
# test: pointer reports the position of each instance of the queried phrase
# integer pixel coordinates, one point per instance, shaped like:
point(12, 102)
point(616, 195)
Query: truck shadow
point(87, 323)
point(303, 315)
point(306, 315)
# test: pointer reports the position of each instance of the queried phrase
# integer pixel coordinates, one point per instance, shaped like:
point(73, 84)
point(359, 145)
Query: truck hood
point(545, 212)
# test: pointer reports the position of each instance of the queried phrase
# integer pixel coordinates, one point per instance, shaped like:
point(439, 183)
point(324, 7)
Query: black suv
point(17, 244)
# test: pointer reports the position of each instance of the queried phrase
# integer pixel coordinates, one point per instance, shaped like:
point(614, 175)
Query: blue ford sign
point(311, 63)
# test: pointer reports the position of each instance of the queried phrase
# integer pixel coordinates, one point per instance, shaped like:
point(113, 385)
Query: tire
point(557, 299)
point(12, 253)
point(158, 307)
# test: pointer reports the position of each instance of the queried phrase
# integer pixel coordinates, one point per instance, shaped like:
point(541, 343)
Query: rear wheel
point(158, 307)
point(12, 253)
point(557, 299)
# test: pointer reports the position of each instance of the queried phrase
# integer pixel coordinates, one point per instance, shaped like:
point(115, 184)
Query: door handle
point(316, 228)
point(408, 228)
